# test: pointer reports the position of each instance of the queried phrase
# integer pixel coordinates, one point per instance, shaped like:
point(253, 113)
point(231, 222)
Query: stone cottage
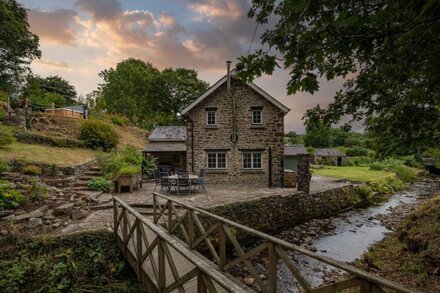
point(235, 131)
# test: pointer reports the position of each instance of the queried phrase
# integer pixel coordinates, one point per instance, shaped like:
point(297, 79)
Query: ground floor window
point(252, 160)
point(216, 160)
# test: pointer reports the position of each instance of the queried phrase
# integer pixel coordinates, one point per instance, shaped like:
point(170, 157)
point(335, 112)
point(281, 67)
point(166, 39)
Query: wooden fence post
point(72, 111)
point(115, 216)
point(222, 245)
point(161, 283)
point(190, 228)
point(53, 109)
point(154, 208)
point(272, 268)
point(170, 217)
point(201, 287)
point(139, 248)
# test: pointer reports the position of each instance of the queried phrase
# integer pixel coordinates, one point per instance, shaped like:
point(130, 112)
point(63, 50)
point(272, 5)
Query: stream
point(353, 232)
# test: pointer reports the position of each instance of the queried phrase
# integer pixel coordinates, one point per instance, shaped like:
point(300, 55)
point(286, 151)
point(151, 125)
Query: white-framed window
point(252, 160)
point(257, 116)
point(216, 160)
point(211, 117)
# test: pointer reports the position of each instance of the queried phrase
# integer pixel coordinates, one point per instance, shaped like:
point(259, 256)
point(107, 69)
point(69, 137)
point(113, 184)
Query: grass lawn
point(352, 173)
point(35, 153)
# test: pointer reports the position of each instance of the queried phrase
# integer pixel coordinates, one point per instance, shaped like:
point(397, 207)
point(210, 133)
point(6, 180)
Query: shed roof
point(168, 133)
point(165, 147)
point(295, 150)
point(250, 84)
point(78, 108)
point(329, 153)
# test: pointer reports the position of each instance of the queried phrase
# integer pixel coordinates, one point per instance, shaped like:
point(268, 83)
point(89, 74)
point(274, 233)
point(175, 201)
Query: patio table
point(193, 178)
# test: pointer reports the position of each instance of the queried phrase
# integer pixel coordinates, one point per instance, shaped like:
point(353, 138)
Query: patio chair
point(156, 176)
point(165, 182)
point(183, 182)
point(180, 171)
point(201, 180)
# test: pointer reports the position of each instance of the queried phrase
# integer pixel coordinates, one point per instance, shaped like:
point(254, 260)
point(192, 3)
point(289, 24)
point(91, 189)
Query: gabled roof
point(165, 147)
point(250, 84)
point(168, 133)
point(329, 153)
point(295, 150)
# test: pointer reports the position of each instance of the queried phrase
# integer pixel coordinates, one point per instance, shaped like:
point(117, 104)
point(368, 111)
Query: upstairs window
point(216, 160)
point(257, 116)
point(252, 160)
point(211, 117)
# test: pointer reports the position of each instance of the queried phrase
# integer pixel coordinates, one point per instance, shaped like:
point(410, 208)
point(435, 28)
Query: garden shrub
point(358, 161)
point(98, 135)
point(132, 155)
point(365, 193)
point(118, 120)
point(10, 198)
point(31, 170)
point(411, 161)
point(377, 166)
point(405, 173)
point(4, 167)
point(357, 151)
point(129, 170)
point(113, 162)
point(53, 170)
point(99, 183)
point(386, 185)
point(6, 136)
point(2, 113)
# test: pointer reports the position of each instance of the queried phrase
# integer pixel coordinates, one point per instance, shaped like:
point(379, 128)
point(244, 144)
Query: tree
point(318, 134)
point(181, 88)
point(18, 46)
point(37, 88)
point(387, 51)
point(291, 138)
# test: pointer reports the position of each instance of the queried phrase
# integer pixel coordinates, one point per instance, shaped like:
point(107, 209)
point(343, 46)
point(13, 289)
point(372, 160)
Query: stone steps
point(83, 180)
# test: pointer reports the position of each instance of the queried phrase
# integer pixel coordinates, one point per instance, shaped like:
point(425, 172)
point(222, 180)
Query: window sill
point(253, 171)
point(211, 126)
point(257, 126)
point(217, 171)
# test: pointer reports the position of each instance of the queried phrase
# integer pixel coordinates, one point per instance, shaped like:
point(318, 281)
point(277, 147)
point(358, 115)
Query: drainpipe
point(192, 144)
point(234, 135)
point(270, 166)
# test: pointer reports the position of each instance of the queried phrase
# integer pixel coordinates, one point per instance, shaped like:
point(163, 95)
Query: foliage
point(129, 170)
point(52, 89)
point(356, 151)
point(361, 174)
point(387, 53)
point(98, 135)
point(53, 170)
point(365, 193)
point(18, 46)
point(2, 113)
point(358, 161)
point(118, 120)
point(9, 198)
point(38, 191)
point(386, 185)
point(434, 153)
point(6, 136)
point(4, 166)
point(36, 138)
point(132, 156)
point(31, 170)
point(110, 164)
point(292, 138)
point(405, 173)
point(411, 161)
point(82, 262)
point(318, 134)
point(146, 96)
point(99, 183)
point(377, 166)
point(149, 164)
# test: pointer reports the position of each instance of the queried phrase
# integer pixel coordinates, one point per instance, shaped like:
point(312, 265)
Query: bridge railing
point(152, 254)
point(214, 235)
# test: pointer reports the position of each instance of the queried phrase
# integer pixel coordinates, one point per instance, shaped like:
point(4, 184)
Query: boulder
point(21, 217)
point(79, 214)
point(35, 222)
point(64, 209)
point(44, 208)
point(36, 214)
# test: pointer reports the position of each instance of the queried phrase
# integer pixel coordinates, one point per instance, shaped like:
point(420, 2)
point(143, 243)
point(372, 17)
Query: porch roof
point(165, 147)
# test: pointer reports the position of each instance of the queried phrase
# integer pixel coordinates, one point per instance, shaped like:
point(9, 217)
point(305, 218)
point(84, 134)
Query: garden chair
point(156, 176)
point(201, 180)
point(180, 171)
point(183, 182)
point(165, 182)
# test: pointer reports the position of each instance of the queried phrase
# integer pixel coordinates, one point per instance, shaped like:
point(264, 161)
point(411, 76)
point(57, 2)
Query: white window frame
point(215, 117)
point(252, 160)
point(216, 160)
point(261, 116)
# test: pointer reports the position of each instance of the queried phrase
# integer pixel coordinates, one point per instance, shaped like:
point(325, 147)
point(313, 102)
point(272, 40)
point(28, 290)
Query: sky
point(80, 38)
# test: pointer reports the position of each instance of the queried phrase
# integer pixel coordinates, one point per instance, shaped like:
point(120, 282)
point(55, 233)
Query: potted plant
point(130, 176)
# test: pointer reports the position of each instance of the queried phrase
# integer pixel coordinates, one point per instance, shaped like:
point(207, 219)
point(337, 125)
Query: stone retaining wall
point(275, 213)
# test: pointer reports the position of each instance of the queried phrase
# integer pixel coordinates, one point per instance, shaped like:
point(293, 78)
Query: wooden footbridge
point(186, 249)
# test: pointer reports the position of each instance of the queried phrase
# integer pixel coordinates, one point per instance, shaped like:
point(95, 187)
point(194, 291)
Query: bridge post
point(201, 287)
point(115, 216)
point(222, 246)
point(190, 228)
point(272, 258)
point(161, 283)
point(170, 217)
point(139, 248)
point(154, 208)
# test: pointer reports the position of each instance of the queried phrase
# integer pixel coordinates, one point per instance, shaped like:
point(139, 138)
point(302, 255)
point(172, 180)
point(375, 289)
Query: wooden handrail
point(201, 265)
point(377, 280)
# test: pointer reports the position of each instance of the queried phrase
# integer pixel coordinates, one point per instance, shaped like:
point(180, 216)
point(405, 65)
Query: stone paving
point(215, 195)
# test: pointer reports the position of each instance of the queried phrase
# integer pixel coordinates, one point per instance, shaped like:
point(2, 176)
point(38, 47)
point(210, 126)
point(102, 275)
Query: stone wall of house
point(275, 213)
point(266, 138)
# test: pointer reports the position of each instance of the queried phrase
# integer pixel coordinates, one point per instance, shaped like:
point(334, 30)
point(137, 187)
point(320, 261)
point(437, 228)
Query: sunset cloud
point(57, 64)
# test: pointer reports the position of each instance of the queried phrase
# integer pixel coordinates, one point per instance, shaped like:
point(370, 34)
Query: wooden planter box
point(132, 181)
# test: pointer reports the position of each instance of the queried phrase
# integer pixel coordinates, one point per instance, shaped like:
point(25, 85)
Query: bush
point(98, 135)
point(9, 198)
point(6, 136)
point(38, 191)
point(31, 170)
point(118, 120)
point(53, 169)
point(129, 170)
point(357, 151)
point(365, 193)
point(112, 163)
point(405, 174)
point(411, 161)
point(4, 167)
point(386, 185)
point(2, 113)
point(358, 161)
point(377, 166)
point(99, 183)
point(132, 156)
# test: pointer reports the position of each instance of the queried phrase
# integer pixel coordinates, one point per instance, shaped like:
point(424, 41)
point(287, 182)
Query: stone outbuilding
point(329, 156)
point(291, 156)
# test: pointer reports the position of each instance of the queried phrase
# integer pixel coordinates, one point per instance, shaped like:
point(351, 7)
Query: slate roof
point(329, 153)
point(250, 84)
point(168, 133)
point(295, 150)
point(165, 147)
